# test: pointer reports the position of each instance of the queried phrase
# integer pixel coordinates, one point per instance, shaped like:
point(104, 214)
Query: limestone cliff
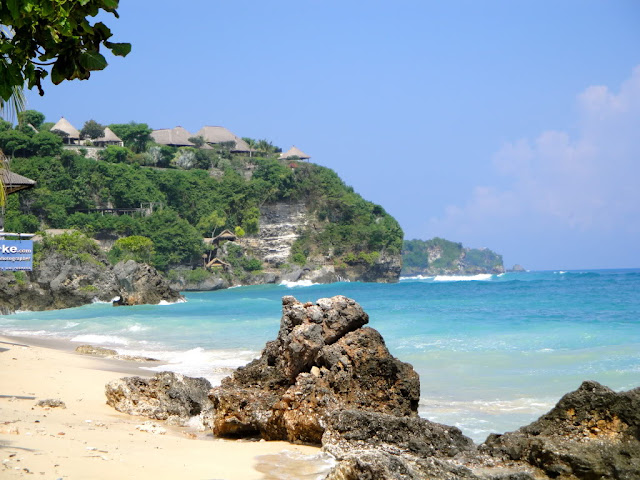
point(282, 226)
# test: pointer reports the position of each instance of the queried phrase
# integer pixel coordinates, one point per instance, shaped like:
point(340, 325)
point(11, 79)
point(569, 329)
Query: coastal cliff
point(293, 221)
point(443, 257)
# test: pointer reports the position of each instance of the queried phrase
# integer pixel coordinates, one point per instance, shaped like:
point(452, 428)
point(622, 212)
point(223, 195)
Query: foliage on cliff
point(439, 256)
point(177, 206)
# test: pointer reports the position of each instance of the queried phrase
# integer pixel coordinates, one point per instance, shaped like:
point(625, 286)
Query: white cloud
point(588, 182)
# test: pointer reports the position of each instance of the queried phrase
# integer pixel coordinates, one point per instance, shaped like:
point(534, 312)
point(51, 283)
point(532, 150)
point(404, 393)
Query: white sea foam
point(180, 300)
point(299, 283)
point(462, 278)
point(70, 324)
point(213, 365)
point(137, 328)
point(100, 339)
point(417, 277)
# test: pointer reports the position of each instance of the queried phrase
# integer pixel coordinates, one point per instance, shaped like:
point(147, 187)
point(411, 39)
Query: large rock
point(142, 284)
point(322, 360)
point(165, 396)
point(592, 433)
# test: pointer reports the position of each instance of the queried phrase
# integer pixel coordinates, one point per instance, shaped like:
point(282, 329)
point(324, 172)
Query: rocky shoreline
point(61, 281)
point(329, 380)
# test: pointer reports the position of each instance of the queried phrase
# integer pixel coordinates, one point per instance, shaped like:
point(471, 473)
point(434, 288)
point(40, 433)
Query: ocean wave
point(416, 277)
point(463, 278)
point(100, 339)
point(213, 365)
point(299, 283)
point(491, 407)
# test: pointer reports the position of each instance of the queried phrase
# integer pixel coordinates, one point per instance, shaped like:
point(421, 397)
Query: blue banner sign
point(16, 255)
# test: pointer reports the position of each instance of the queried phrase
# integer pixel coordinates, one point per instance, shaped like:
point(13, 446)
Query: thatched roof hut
point(217, 263)
point(225, 235)
point(73, 134)
point(14, 182)
point(108, 138)
point(213, 135)
point(294, 152)
point(173, 137)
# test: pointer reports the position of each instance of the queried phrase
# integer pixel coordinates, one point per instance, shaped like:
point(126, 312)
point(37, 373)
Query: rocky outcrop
point(109, 353)
point(592, 433)
point(142, 284)
point(165, 396)
point(323, 360)
point(60, 281)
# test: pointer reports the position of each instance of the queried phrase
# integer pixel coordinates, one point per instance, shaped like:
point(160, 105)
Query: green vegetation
point(135, 247)
point(440, 256)
point(198, 193)
point(37, 33)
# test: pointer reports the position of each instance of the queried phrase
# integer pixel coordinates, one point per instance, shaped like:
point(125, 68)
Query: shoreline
point(89, 439)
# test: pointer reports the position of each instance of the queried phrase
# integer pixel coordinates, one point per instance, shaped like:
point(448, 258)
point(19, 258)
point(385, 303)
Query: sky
point(508, 125)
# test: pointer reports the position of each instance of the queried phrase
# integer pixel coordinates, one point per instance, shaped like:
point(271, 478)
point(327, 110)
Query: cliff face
point(281, 224)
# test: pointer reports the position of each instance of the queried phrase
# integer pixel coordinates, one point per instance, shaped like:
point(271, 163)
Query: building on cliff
point(72, 136)
point(215, 135)
point(173, 137)
point(108, 138)
point(294, 153)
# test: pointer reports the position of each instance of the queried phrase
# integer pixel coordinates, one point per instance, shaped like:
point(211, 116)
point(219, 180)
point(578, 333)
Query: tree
point(37, 34)
point(31, 117)
point(134, 135)
point(136, 248)
point(92, 129)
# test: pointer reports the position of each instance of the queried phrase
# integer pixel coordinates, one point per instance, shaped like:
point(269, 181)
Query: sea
point(494, 352)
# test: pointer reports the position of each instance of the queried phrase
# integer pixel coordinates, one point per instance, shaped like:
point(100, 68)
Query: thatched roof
point(64, 126)
point(221, 135)
point(108, 136)
point(216, 262)
point(295, 152)
point(225, 235)
point(177, 137)
point(14, 182)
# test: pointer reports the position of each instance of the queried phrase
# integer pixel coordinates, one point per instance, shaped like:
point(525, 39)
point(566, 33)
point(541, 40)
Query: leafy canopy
point(36, 34)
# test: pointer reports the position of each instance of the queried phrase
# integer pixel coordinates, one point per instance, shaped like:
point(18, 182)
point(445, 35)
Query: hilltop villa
point(294, 152)
point(73, 135)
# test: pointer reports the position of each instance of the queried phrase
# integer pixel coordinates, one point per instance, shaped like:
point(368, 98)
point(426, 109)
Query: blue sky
point(510, 125)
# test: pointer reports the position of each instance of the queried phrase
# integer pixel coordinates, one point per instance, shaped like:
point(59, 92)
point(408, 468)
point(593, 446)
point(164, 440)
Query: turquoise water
point(493, 352)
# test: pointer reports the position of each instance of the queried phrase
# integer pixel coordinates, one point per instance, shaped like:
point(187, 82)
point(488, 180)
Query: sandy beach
point(89, 439)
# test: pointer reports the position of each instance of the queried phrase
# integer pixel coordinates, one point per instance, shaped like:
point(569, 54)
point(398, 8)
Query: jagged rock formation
point(592, 433)
point(60, 281)
point(141, 284)
point(322, 360)
point(329, 379)
point(165, 396)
